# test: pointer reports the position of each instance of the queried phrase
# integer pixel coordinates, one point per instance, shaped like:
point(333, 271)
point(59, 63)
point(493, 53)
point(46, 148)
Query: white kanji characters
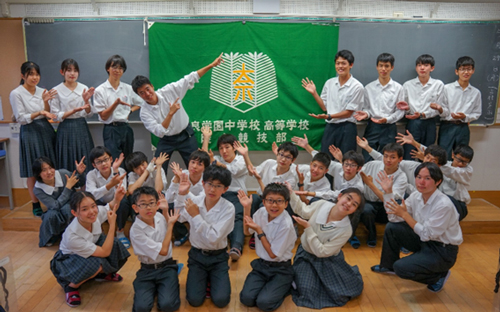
point(218, 125)
point(254, 125)
point(243, 137)
point(279, 125)
point(268, 125)
point(229, 125)
point(303, 124)
point(291, 124)
point(261, 137)
point(242, 124)
point(280, 137)
point(195, 125)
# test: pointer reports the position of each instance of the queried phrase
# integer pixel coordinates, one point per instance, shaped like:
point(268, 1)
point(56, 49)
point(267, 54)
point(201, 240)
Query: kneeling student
point(151, 236)
point(272, 275)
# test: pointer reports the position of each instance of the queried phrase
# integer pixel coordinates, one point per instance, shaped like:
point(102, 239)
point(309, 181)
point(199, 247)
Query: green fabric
point(275, 97)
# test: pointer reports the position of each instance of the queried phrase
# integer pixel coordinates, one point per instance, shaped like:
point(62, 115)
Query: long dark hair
point(26, 69)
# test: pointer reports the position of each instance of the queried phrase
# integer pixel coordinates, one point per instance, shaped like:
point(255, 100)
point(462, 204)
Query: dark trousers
point(124, 211)
point(460, 206)
point(185, 143)
point(342, 135)
point(236, 237)
point(267, 286)
point(379, 135)
point(118, 138)
point(451, 135)
point(180, 230)
point(162, 282)
point(423, 131)
point(429, 262)
point(373, 212)
point(354, 218)
point(205, 268)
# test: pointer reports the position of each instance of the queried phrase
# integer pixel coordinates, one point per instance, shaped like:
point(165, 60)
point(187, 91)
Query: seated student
point(151, 236)
point(211, 219)
point(457, 173)
point(312, 179)
point(102, 183)
point(198, 161)
point(420, 94)
point(164, 115)
point(54, 189)
point(140, 173)
point(380, 108)
point(374, 208)
point(226, 144)
point(323, 277)
point(85, 253)
point(461, 106)
point(270, 280)
point(340, 98)
point(426, 224)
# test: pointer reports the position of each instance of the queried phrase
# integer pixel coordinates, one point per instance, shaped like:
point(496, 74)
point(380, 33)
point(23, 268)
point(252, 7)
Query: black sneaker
point(440, 283)
point(181, 241)
point(378, 269)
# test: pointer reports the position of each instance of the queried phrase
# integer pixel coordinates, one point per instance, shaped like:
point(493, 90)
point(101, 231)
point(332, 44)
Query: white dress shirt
point(67, 100)
point(267, 171)
point(279, 232)
point(105, 95)
point(96, 185)
point(150, 180)
point(78, 240)
point(239, 172)
point(321, 187)
point(338, 98)
point(400, 181)
point(437, 220)
point(458, 100)
point(24, 104)
point(455, 181)
point(209, 229)
point(147, 240)
point(380, 101)
point(153, 115)
point(407, 166)
point(420, 97)
point(173, 189)
point(322, 239)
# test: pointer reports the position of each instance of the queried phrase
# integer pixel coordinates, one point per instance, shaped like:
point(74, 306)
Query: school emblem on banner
point(244, 81)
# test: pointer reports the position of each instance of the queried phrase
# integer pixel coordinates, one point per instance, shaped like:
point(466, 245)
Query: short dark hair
point(359, 193)
point(77, 198)
point(385, 58)
point(434, 171)
point(116, 60)
point(464, 150)
point(143, 190)
point(200, 156)
point(214, 172)
point(346, 54)
point(37, 166)
point(27, 68)
point(226, 138)
point(393, 147)
point(438, 152)
point(464, 61)
point(276, 188)
point(134, 160)
point(139, 81)
point(425, 59)
point(354, 156)
point(289, 147)
point(97, 152)
point(67, 63)
point(322, 158)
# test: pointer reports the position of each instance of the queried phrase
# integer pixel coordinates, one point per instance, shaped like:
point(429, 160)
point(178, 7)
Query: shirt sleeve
point(53, 203)
point(237, 167)
point(303, 210)
point(217, 231)
point(397, 114)
point(22, 115)
point(376, 155)
point(179, 88)
point(92, 188)
point(399, 185)
point(144, 245)
point(476, 109)
point(100, 103)
point(55, 108)
point(151, 124)
point(81, 246)
point(103, 213)
point(390, 216)
point(329, 248)
point(285, 237)
point(356, 101)
point(460, 175)
point(437, 223)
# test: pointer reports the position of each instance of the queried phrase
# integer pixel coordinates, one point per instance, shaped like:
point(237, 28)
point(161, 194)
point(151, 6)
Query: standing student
point(30, 105)
point(461, 106)
point(380, 108)
point(421, 94)
point(113, 102)
point(164, 115)
point(340, 98)
point(426, 224)
point(72, 105)
point(322, 277)
point(54, 189)
point(85, 253)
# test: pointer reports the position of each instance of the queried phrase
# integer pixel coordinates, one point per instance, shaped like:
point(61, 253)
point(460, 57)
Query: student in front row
point(211, 219)
point(380, 108)
point(85, 253)
point(272, 275)
point(426, 224)
point(461, 106)
point(322, 276)
point(151, 236)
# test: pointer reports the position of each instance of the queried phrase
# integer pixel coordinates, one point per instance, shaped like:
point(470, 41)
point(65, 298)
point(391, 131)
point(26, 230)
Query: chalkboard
point(446, 42)
point(90, 43)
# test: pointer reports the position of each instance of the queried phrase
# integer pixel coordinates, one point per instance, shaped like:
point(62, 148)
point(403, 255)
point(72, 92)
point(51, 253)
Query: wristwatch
point(214, 162)
point(261, 235)
point(300, 184)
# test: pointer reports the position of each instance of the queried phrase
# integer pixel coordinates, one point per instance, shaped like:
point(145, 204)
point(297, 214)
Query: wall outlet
point(15, 128)
point(398, 14)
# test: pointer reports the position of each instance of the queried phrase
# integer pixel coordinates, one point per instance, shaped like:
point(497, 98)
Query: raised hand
point(301, 221)
point(211, 154)
point(253, 172)
point(251, 224)
point(417, 154)
point(242, 149)
point(245, 201)
point(385, 181)
point(395, 208)
point(161, 159)
point(172, 216)
point(176, 169)
point(300, 175)
point(309, 85)
point(368, 180)
point(87, 94)
point(362, 142)
point(191, 208)
point(120, 192)
point(206, 131)
point(274, 148)
point(404, 139)
point(302, 142)
point(112, 215)
point(219, 60)
point(117, 163)
point(163, 204)
point(174, 107)
point(49, 95)
point(184, 184)
point(80, 166)
point(71, 181)
point(336, 152)
point(360, 115)
point(117, 179)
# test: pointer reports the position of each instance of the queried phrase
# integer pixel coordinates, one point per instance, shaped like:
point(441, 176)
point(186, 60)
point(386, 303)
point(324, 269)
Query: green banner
point(256, 94)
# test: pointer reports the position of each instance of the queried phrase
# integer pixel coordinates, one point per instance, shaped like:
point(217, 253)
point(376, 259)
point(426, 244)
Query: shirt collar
point(48, 189)
point(323, 213)
point(108, 85)
point(457, 85)
point(66, 91)
point(143, 225)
